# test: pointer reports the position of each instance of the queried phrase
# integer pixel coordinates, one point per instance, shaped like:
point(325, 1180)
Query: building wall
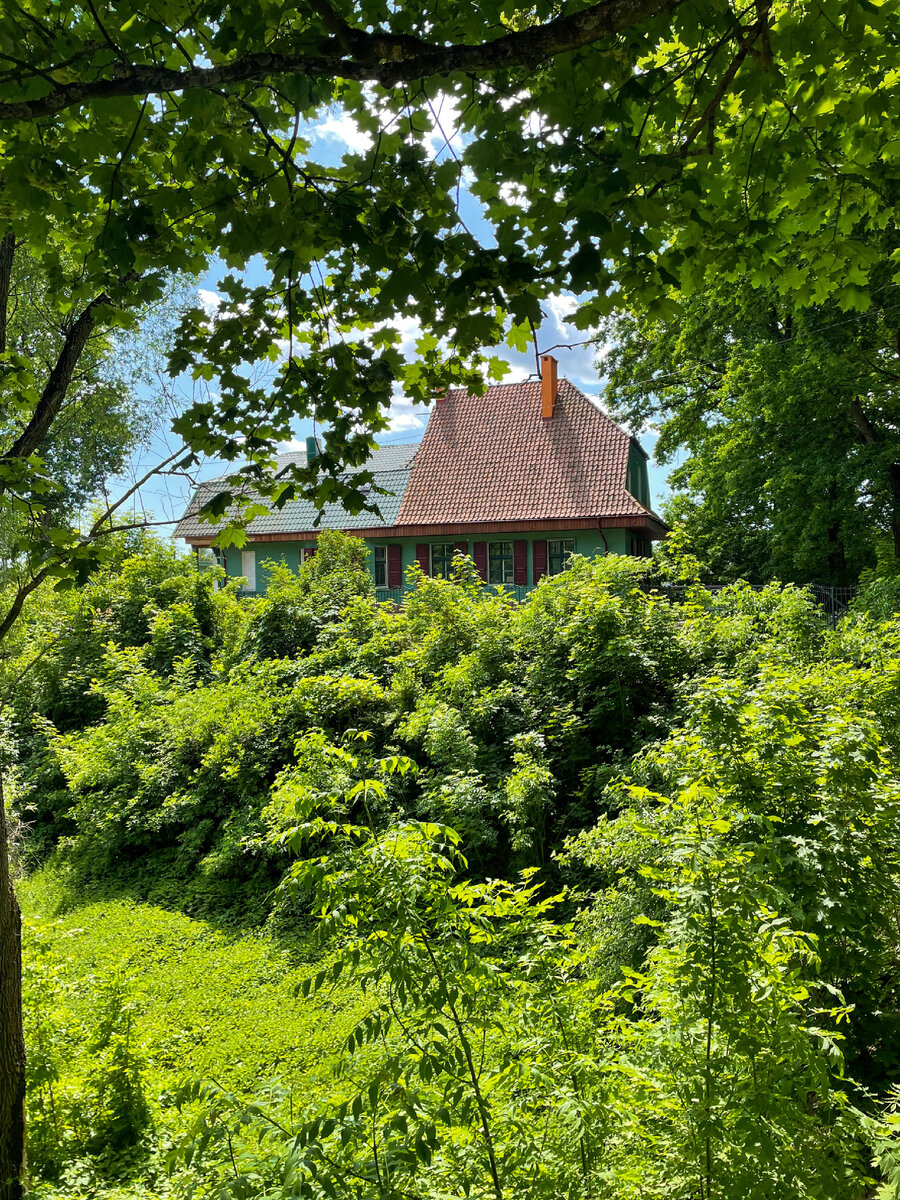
point(588, 542)
point(637, 477)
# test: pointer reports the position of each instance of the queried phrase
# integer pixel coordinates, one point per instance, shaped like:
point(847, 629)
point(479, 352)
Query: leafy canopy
point(618, 147)
point(788, 415)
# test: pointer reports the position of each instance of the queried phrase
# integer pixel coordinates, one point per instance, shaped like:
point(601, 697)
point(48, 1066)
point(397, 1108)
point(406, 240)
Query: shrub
point(288, 620)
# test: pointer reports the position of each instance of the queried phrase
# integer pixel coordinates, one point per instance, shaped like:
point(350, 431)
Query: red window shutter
point(538, 560)
point(479, 554)
point(462, 547)
point(423, 557)
point(520, 563)
point(395, 566)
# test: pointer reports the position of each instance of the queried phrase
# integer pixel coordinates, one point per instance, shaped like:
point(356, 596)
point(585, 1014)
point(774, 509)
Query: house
point(519, 478)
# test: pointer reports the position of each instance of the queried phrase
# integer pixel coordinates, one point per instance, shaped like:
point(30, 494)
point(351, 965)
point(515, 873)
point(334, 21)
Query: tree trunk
point(873, 437)
point(12, 1038)
point(837, 555)
point(894, 477)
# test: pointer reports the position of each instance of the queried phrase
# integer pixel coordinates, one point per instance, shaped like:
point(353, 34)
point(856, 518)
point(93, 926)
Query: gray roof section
point(391, 466)
point(385, 458)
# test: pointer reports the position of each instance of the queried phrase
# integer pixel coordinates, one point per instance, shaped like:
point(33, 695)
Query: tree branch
point(867, 430)
point(97, 528)
point(708, 116)
point(54, 393)
point(379, 57)
point(22, 593)
point(338, 26)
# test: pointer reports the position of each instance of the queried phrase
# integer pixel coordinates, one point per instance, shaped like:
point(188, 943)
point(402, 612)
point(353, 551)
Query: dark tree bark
point(873, 437)
point(7, 253)
point(894, 480)
point(53, 395)
point(12, 1039)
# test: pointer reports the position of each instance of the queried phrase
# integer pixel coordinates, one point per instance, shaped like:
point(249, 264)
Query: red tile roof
point(494, 458)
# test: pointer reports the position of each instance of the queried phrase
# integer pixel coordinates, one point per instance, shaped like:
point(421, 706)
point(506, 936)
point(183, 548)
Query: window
point(379, 562)
point(442, 560)
point(248, 569)
point(558, 554)
point(306, 553)
point(501, 568)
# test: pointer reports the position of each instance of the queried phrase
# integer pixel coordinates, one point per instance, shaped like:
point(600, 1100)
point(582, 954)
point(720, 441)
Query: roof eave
point(638, 522)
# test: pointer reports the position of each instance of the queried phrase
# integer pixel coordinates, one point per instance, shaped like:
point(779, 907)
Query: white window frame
point(248, 569)
point(507, 572)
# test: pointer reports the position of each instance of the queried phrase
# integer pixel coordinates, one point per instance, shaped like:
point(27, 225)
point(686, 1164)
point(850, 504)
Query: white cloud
point(517, 374)
point(562, 306)
point(342, 128)
point(209, 301)
point(403, 419)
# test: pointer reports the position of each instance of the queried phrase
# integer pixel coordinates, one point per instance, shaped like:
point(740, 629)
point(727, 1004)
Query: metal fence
point(834, 601)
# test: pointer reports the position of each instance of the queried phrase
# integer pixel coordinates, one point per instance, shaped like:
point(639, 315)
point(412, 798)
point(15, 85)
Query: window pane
point(379, 559)
point(559, 552)
point(442, 560)
point(500, 563)
point(248, 569)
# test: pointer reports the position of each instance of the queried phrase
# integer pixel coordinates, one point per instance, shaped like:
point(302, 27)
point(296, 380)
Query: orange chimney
point(440, 395)
point(549, 385)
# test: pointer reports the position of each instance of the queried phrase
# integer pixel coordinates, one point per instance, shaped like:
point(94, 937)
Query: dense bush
point(297, 606)
point(516, 716)
point(693, 992)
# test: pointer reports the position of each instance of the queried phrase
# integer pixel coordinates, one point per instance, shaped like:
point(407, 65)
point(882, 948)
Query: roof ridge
point(593, 401)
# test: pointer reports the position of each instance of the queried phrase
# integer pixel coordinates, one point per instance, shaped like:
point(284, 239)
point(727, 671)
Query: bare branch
point(97, 528)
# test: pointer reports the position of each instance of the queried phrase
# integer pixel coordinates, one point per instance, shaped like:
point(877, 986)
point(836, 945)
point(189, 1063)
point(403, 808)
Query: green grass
point(202, 1003)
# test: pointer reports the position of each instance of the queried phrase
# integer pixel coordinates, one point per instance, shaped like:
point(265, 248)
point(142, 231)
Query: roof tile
point(299, 516)
point(494, 458)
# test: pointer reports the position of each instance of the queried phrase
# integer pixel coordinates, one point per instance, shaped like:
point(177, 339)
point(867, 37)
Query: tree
point(618, 147)
point(790, 417)
point(98, 420)
point(612, 148)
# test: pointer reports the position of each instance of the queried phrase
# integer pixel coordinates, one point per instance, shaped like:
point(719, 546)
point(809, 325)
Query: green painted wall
point(589, 542)
point(637, 477)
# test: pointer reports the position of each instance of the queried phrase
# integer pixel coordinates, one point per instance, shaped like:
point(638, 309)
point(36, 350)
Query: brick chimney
point(549, 385)
point(440, 394)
